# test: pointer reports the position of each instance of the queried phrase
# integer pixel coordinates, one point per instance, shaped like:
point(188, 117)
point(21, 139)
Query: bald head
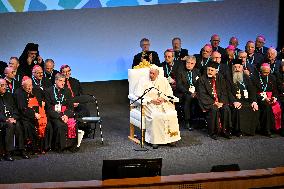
point(27, 85)
point(216, 56)
point(9, 73)
point(271, 54)
point(37, 72)
point(234, 41)
point(215, 40)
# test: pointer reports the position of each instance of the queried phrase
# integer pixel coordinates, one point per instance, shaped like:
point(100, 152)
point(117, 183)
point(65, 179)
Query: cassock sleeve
point(22, 105)
point(205, 100)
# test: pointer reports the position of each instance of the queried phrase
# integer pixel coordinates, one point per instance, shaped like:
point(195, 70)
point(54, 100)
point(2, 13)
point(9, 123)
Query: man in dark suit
point(171, 68)
point(235, 42)
point(180, 53)
point(187, 81)
point(14, 63)
point(49, 71)
point(12, 84)
point(151, 56)
point(215, 42)
point(259, 45)
point(254, 59)
point(203, 58)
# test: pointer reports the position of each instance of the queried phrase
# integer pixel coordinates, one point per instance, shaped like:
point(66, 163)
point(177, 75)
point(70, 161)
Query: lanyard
point(189, 77)
point(169, 72)
point(56, 97)
point(251, 62)
point(8, 86)
point(205, 62)
point(262, 84)
point(34, 80)
point(49, 76)
point(272, 67)
point(243, 84)
point(177, 55)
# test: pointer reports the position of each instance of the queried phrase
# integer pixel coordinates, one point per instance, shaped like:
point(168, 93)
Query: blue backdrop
point(99, 44)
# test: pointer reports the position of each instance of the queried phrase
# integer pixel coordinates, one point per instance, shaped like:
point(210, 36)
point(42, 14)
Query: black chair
point(93, 120)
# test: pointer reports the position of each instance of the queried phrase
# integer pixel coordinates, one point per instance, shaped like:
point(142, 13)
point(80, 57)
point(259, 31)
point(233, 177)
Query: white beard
point(238, 77)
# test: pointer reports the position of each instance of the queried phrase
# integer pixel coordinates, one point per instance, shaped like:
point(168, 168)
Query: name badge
point(263, 95)
point(191, 89)
point(245, 93)
point(57, 107)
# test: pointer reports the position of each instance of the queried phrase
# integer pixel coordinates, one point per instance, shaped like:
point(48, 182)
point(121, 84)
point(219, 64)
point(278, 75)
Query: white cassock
point(161, 121)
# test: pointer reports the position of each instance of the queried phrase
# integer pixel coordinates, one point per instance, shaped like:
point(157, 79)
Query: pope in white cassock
point(161, 122)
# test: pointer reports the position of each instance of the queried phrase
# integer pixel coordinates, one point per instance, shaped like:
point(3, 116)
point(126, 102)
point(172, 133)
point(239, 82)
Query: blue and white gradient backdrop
point(99, 44)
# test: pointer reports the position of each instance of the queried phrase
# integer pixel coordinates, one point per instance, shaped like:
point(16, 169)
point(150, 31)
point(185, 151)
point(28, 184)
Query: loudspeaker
point(131, 168)
point(223, 168)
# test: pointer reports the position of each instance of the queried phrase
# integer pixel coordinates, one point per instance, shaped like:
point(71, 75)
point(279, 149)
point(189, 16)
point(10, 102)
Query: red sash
point(42, 122)
point(71, 124)
point(276, 112)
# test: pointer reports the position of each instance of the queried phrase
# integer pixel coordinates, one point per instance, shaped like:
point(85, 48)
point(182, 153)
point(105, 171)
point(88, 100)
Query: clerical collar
point(37, 82)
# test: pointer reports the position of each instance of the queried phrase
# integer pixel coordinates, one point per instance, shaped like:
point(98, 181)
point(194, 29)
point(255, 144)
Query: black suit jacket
point(183, 81)
point(155, 58)
point(201, 63)
point(51, 77)
point(181, 54)
point(75, 86)
point(8, 100)
point(3, 65)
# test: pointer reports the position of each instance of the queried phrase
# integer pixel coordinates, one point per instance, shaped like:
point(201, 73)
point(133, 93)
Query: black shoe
point(74, 149)
point(24, 155)
point(227, 135)
point(239, 134)
point(155, 146)
point(188, 126)
point(269, 135)
point(8, 157)
point(214, 137)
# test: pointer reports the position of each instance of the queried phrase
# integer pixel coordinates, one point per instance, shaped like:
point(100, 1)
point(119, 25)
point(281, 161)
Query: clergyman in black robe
point(61, 113)
point(29, 101)
point(213, 100)
point(10, 124)
point(245, 114)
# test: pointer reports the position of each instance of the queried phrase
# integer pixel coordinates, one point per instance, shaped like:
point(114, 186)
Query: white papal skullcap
point(153, 66)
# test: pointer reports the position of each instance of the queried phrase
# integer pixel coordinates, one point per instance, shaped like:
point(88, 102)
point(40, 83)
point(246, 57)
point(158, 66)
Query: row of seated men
point(244, 96)
point(39, 107)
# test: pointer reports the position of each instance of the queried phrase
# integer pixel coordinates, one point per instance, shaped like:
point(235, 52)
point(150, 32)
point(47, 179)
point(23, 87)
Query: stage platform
point(194, 153)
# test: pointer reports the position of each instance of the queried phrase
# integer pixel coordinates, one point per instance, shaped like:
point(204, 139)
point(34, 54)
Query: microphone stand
point(142, 148)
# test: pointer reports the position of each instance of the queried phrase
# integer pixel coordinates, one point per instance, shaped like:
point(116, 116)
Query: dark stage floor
point(193, 154)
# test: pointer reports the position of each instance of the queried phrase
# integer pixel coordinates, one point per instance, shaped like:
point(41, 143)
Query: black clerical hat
point(237, 61)
point(32, 47)
point(213, 64)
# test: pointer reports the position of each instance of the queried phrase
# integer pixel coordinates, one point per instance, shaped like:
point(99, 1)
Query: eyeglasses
point(3, 85)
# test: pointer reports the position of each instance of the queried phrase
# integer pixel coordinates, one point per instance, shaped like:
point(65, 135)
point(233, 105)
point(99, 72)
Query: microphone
point(170, 97)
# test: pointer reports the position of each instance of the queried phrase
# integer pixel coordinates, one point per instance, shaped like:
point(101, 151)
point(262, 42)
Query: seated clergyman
point(161, 117)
